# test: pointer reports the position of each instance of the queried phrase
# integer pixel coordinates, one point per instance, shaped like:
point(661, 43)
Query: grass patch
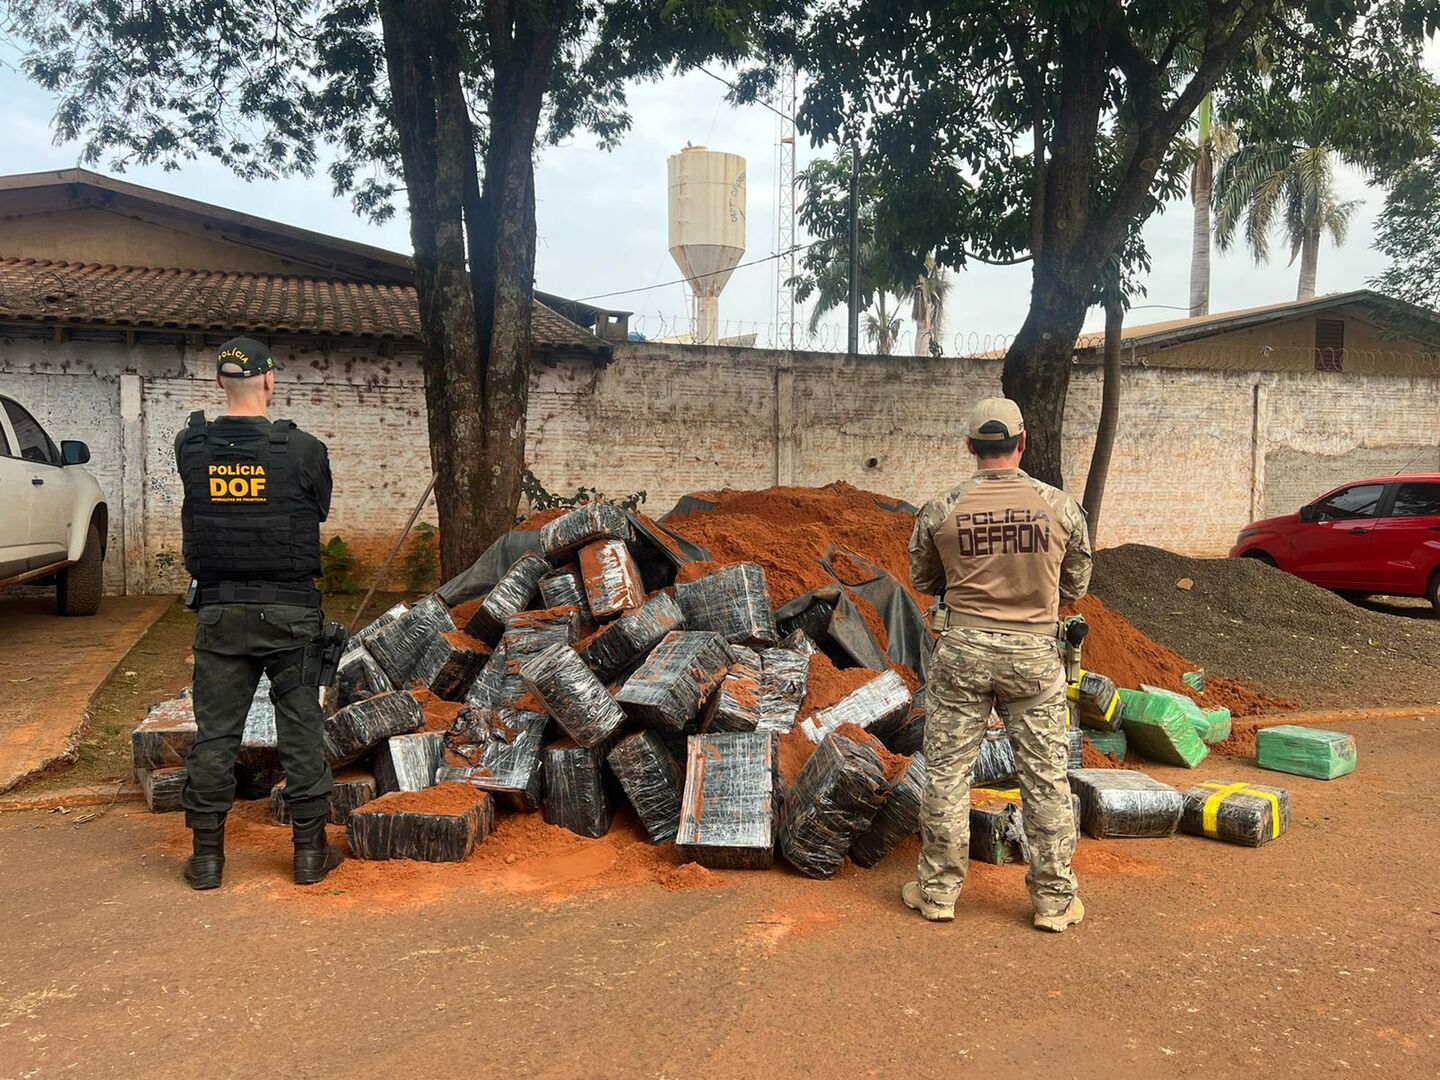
point(159, 666)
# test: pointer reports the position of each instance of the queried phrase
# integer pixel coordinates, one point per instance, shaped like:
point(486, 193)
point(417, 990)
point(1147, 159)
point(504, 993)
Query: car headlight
point(1246, 534)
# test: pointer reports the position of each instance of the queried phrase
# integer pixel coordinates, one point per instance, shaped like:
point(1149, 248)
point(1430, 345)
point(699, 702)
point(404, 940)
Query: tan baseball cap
point(995, 419)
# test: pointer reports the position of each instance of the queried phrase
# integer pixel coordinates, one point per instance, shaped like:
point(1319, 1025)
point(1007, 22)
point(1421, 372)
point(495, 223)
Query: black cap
point(242, 357)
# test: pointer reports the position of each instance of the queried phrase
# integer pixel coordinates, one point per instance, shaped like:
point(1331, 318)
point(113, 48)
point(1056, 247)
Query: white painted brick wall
point(670, 420)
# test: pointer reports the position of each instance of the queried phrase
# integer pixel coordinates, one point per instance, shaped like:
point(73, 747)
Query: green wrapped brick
point(1108, 742)
point(1238, 813)
point(1159, 728)
point(1212, 725)
point(1312, 752)
point(1219, 726)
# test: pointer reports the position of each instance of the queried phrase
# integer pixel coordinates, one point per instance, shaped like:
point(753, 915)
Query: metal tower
point(785, 211)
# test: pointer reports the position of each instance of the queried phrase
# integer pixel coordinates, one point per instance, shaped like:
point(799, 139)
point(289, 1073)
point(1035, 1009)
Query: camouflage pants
point(971, 671)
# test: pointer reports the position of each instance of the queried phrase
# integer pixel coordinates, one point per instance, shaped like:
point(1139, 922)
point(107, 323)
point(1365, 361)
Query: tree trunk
point(432, 157)
point(476, 322)
point(1201, 180)
point(1037, 370)
point(1309, 262)
point(1109, 418)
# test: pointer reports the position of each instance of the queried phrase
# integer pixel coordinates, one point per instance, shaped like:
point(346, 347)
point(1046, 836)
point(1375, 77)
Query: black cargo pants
point(234, 644)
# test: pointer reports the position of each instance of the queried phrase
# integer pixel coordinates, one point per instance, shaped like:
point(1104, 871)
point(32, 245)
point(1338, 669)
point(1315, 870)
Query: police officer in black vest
point(256, 492)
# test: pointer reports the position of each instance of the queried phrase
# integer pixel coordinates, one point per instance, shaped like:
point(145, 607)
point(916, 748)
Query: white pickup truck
point(54, 523)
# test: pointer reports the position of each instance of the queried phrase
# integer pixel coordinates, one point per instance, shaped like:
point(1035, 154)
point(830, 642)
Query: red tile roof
point(140, 297)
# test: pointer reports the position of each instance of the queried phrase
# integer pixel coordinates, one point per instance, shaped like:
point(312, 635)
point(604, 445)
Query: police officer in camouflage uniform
point(256, 492)
point(1003, 551)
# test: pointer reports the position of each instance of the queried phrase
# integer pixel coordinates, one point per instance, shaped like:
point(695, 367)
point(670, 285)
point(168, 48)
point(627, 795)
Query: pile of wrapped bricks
point(576, 691)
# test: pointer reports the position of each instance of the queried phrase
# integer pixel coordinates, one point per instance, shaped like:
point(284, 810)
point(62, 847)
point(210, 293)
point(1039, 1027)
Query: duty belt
point(257, 592)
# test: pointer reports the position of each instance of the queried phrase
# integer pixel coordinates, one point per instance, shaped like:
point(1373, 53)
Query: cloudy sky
point(602, 220)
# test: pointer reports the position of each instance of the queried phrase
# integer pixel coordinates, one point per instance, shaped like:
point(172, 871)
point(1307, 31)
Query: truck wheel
point(1435, 592)
point(77, 588)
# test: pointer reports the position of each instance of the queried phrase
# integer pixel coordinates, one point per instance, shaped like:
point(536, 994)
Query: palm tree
point(927, 307)
point(1213, 144)
point(1286, 183)
point(882, 325)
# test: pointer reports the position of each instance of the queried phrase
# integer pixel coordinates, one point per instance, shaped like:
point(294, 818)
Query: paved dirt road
point(50, 668)
point(1314, 956)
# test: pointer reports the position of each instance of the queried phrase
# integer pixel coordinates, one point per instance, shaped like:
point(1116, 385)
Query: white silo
point(707, 228)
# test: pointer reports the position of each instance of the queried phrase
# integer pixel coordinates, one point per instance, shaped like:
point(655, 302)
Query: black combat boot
point(204, 868)
point(314, 857)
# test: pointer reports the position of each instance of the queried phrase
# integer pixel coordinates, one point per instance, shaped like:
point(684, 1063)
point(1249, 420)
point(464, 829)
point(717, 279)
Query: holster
point(315, 665)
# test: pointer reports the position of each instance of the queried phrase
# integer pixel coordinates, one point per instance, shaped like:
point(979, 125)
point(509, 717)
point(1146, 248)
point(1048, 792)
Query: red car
point(1373, 536)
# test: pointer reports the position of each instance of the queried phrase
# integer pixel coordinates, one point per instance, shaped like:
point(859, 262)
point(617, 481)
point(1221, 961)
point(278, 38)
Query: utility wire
point(683, 281)
point(758, 101)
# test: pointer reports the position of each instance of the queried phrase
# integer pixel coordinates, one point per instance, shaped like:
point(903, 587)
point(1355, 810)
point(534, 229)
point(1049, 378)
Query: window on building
point(1329, 344)
point(1417, 500)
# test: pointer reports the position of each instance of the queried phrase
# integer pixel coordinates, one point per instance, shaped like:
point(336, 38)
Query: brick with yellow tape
point(1245, 824)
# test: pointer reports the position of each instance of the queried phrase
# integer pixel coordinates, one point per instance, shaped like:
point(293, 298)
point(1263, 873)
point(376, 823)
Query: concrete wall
point(1199, 453)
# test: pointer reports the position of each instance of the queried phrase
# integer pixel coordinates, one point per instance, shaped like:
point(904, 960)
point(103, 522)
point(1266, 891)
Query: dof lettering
point(237, 482)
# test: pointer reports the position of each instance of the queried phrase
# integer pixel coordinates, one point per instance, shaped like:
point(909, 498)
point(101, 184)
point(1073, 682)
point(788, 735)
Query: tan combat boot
point(917, 901)
point(1067, 918)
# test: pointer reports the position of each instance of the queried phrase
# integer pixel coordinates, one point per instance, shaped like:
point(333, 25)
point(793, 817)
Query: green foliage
point(1408, 234)
point(337, 567)
point(540, 498)
point(422, 558)
point(282, 88)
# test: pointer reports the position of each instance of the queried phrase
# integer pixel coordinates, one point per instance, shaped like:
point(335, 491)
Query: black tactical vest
point(246, 516)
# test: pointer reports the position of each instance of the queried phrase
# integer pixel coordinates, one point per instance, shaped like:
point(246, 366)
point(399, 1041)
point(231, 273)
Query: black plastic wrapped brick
point(880, 706)
point(736, 705)
point(401, 826)
point(668, 690)
point(532, 632)
point(909, 737)
point(384, 619)
point(408, 762)
point(996, 759)
point(451, 664)
point(499, 684)
point(727, 813)
point(897, 819)
point(784, 679)
point(359, 676)
point(1238, 813)
point(353, 730)
point(612, 649)
point(164, 738)
point(734, 602)
point(1120, 803)
point(1075, 740)
point(997, 825)
point(353, 788)
point(652, 782)
point(498, 752)
point(799, 642)
point(577, 793)
point(573, 695)
point(566, 535)
point(400, 645)
point(833, 802)
point(511, 595)
point(563, 588)
point(611, 578)
point(161, 788)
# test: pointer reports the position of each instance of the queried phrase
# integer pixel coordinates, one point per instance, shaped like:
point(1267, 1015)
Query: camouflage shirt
point(1003, 549)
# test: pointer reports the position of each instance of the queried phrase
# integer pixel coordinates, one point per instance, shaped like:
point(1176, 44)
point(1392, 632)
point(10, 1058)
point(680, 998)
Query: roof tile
point(150, 297)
